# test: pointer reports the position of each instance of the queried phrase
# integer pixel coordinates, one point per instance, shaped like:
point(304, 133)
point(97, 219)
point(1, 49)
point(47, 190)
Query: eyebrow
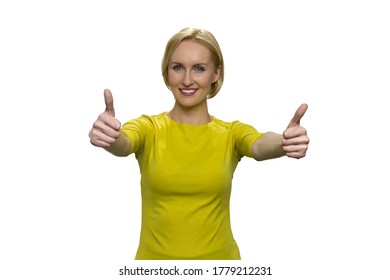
point(197, 64)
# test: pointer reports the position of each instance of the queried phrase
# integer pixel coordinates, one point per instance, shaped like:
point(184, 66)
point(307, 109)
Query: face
point(191, 72)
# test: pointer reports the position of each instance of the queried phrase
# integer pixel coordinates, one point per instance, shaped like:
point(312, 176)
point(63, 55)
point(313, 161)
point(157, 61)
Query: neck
point(194, 116)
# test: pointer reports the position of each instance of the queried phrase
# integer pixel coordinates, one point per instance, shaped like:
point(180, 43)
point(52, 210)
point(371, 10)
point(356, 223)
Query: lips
point(188, 91)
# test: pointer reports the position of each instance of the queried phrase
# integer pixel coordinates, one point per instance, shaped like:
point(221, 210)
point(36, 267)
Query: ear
point(217, 73)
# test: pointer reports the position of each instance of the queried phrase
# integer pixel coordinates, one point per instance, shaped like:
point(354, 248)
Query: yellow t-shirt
point(186, 179)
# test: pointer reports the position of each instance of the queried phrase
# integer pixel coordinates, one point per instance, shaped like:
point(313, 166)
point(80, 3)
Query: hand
point(106, 129)
point(295, 140)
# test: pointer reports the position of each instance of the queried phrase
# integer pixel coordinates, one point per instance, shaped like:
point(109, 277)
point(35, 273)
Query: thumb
point(295, 121)
point(109, 100)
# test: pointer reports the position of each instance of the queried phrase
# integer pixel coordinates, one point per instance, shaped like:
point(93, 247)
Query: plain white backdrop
point(69, 210)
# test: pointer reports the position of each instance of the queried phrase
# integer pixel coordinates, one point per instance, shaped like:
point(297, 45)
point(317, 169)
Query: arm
point(121, 147)
point(292, 143)
point(268, 146)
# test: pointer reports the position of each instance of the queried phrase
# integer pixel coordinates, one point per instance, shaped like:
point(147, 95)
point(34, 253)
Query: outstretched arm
point(292, 143)
point(106, 132)
point(268, 146)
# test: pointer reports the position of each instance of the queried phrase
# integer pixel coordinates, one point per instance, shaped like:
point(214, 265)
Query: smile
point(188, 92)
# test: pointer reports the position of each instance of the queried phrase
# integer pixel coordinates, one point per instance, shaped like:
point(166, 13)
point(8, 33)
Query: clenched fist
point(295, 140)
point(106, 129)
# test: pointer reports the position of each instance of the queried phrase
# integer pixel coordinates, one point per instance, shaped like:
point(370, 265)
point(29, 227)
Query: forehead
point(191, 51)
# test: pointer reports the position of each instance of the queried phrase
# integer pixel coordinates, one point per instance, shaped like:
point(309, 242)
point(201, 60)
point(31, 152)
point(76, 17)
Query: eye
point(177, 68)
point(199, 69)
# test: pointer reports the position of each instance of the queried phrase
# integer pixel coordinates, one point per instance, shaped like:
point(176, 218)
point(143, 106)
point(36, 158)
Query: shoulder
point(146, 120)
point(152, 118)
point(222, 123)
point(232, 125)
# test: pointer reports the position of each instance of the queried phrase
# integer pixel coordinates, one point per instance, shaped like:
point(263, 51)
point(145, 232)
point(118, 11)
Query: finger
point(109, 131)
point(295, 121)
point(109, 100)
point(295, 148)
point(101, 139)
point(105, 137)
point(296, 141)
point(292, 132)
point(100, 143)
point(106, 119)
point(296, 155)
point(107, 123)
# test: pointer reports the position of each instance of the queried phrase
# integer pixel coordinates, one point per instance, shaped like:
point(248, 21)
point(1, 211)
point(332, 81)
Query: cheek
point(173, 78)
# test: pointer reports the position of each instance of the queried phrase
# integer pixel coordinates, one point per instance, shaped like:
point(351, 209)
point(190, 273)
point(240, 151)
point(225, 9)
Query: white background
point(72, 211)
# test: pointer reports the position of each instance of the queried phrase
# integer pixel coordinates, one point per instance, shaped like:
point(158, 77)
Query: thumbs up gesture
point(106, 129)
point(295, 140)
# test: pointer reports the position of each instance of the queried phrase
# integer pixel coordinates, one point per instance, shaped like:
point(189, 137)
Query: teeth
point(188, 90)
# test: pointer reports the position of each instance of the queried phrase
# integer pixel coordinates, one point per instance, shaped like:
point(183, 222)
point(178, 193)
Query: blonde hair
point(204, 38)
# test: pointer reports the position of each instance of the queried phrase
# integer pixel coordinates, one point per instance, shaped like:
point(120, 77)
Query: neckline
point(187, 124)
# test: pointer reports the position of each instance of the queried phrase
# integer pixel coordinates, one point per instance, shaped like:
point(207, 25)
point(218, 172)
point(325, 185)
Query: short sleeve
point(244, 136)
point(137, 130)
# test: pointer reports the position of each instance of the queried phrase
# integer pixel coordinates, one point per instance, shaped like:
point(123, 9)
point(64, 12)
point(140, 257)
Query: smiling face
point(191, 72)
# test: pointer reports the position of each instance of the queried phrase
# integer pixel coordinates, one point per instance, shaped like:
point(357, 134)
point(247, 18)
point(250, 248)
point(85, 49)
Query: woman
point(187, 157)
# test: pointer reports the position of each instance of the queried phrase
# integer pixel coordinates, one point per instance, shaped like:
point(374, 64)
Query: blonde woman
point(187, 157)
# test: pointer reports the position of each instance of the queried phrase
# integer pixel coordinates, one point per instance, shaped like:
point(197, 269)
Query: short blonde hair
point(202, 37)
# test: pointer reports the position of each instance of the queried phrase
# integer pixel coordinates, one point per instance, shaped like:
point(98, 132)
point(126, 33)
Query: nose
point(187, 79)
